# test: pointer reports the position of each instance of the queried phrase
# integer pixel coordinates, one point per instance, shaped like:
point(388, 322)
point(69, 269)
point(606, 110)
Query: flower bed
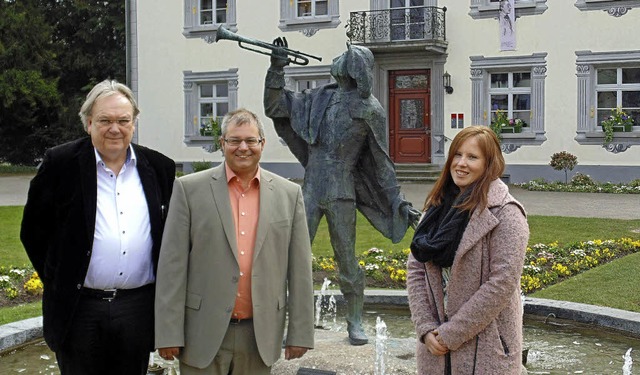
point(549, 264)
point(544, 264)
point(632, 187)
point(19, 285)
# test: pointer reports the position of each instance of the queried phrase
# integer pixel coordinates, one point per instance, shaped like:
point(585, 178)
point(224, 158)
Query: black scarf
point(438, 235)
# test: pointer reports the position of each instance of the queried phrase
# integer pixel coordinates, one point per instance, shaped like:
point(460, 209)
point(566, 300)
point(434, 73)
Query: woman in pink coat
point(465, 265)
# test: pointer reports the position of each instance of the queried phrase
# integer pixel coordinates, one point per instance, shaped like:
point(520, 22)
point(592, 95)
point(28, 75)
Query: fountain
point(325, 307)
point(381, 346)
point(555, 346)
point(628, 363)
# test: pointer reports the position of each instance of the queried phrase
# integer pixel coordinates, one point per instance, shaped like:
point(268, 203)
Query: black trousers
point(110, 336)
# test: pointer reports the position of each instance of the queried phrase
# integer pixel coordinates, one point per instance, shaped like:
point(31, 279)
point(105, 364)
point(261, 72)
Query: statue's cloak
point(378, 194)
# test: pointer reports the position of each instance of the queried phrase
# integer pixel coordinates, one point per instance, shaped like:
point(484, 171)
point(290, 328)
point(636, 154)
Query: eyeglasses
point(251, 142)
point(123, 123)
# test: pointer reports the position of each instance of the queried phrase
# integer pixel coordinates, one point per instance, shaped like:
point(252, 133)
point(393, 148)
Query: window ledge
point(621, 142)
point(606, 5)
point(297, 24)
point(528, 8)
point(206, 142)
point(513, 141)
point(209, 30)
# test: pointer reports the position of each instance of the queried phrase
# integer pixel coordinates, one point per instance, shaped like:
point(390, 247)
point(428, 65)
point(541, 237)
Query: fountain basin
point(574, 346)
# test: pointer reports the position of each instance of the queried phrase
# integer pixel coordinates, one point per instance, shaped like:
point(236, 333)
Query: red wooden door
point(409, 121)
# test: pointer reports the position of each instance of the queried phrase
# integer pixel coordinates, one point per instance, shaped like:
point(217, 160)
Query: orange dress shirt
point(245, 205)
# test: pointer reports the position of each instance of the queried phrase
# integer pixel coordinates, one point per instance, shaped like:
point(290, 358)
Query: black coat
point(59, 222)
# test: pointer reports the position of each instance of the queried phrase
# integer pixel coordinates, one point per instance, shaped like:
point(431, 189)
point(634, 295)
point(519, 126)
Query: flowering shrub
point(563, 160)
point(617, 118)
point(580, 179)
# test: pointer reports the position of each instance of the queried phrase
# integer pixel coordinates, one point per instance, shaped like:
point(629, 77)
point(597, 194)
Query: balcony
point(400, 29)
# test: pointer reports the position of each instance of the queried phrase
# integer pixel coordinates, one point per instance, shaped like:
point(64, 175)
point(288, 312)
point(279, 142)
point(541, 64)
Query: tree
point(51, 53)
point(91, 41)
point(563, 160)
point(29, 99)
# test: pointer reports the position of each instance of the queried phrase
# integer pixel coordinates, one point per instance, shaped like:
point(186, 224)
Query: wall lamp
point(446, 82)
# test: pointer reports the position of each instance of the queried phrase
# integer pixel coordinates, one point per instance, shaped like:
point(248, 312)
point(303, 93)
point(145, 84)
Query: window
point(203, 17)
point(299, 78)
point(212, 10)
point(618, 88)
point(608, 80)
point(514, 85)
point(616, 8)
point(207, 96)
point(511, 93)
point(407, 19)
point(489, 8)
point(308, 16)
point(213, 102)
point(311, 8)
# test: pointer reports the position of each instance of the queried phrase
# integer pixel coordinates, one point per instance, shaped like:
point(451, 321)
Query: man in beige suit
point(235, 260)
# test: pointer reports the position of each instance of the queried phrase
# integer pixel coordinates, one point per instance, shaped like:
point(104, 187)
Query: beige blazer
point(198, 269)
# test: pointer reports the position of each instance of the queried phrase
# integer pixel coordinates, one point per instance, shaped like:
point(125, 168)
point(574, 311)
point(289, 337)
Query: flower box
point(206, 133)
point(511, 129)
point(623, 128)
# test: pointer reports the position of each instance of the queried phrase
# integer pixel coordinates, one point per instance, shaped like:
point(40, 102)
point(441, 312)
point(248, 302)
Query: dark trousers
point(110, 337)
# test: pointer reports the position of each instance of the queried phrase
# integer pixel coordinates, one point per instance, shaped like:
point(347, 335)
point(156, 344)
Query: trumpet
point(294, 57)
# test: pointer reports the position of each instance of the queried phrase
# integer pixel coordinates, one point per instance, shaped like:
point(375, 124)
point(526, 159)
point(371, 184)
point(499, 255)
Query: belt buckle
point(110, 298)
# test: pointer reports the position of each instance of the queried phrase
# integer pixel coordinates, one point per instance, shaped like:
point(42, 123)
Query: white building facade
point(559, 66)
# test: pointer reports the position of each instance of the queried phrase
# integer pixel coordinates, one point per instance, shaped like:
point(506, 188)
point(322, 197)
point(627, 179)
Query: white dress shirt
point(121, 256)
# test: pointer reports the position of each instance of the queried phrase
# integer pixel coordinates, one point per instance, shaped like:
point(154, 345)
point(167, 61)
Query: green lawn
point(11, 250)
point(614, 284)
point(544, 229)
point(20, 312)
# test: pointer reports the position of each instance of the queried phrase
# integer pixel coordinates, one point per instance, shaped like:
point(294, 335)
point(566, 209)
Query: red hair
point(494, 168)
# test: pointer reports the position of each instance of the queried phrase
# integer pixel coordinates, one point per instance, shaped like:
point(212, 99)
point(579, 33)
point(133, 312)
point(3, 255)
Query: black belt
point(238, 321)
point(111, 294)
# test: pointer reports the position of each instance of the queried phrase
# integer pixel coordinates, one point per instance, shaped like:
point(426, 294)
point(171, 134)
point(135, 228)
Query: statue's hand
point(414, 217)
point(279, 56)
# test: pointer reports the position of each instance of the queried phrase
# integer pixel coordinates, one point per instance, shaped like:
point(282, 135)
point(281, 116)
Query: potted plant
point(503, 124)
point(617, 121)
point(211, 128)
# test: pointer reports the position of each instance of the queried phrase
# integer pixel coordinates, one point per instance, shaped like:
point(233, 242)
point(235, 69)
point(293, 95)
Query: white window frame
point(192, 83)
point(308, 25)
point(615, 8)
point(313, 8)
point(588, 130)
point(482, 67)
point(618, 87)
point(294, 74)
point(192, 27)
point(510, 91)
point(480, 9)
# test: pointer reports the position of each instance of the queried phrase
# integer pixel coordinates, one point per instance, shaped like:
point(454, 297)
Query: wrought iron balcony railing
point(397, 25)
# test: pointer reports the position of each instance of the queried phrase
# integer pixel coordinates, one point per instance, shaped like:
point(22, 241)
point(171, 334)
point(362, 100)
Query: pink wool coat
point(484, 327)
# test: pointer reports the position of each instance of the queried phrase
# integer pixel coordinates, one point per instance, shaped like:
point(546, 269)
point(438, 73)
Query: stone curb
point(620, 320)
point(606, 317)
point(18, 333)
